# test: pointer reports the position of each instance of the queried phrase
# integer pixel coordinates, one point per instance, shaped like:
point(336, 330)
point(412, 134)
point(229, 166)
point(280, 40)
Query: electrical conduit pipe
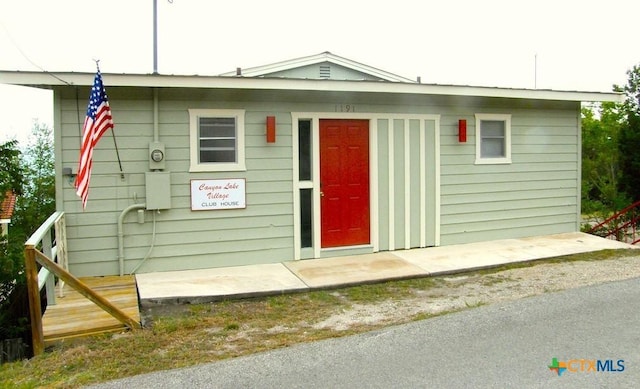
point(121, 232)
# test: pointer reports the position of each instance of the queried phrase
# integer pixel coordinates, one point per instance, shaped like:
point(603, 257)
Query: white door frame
point(314, 184)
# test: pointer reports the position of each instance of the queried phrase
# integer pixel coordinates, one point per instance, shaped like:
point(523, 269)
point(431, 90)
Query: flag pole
point(117, 154)
point(113, 133)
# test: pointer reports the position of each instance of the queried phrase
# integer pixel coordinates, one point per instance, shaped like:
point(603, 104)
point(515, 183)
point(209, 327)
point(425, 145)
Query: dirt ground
point(458, 292)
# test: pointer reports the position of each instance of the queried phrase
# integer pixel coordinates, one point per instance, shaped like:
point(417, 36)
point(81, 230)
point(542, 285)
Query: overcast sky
point(584, 45)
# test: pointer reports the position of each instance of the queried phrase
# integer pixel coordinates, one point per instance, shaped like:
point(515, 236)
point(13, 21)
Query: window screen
point(492, 133)
point(217, 137)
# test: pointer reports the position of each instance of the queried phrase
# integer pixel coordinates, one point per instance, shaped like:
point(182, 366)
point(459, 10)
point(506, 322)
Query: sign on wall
point(209, 195)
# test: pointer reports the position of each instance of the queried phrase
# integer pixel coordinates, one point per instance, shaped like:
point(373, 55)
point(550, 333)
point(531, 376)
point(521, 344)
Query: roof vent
point(325, 71)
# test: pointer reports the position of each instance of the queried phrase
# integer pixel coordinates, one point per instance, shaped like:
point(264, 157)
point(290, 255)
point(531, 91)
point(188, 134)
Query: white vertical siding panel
point(373, 184)
point(392, 214)
point(407, 186)
point(423, 187)
point(437, 187)
point(579, 175)
point(391, 189)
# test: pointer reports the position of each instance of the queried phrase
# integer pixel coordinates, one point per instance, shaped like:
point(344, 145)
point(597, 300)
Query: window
point(493, 138)
point(306, 219)
point(216, 140)
point(304, 150)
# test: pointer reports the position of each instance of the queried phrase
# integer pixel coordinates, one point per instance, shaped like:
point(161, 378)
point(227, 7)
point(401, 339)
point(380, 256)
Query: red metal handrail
point(623, 224)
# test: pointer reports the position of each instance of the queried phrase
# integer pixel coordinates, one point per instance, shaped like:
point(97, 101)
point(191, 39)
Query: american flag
point(96, 123)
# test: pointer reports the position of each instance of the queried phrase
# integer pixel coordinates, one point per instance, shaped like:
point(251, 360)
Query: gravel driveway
point(462, 291)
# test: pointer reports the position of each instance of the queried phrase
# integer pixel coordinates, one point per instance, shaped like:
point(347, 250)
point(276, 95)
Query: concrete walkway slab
point(256, 280)
point(330, 272)
point(237, 281)
point(576, 242)
point(450, 259)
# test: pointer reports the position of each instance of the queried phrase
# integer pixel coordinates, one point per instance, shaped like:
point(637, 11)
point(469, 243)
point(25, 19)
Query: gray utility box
point(158, 189)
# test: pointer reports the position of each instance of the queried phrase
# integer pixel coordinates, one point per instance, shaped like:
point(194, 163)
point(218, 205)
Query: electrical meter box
point(158, 189)
point(156, 156)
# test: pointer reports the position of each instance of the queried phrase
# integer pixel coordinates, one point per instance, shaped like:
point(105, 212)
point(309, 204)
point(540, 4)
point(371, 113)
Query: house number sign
point(345, 108)
point(210, 195)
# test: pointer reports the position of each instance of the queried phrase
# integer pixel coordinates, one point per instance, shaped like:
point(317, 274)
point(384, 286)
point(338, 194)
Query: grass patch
point(475, 304)
point(211, 332)
point(490, 280)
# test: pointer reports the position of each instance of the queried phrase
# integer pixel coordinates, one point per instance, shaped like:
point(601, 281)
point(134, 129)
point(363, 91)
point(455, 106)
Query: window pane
point(304, 147)
point(217, 156)
point(217, 127)
point(492, 133)
point(492, 128)
point(306, 226)
point(492, 148)
point(217, 139)
point(225, 143)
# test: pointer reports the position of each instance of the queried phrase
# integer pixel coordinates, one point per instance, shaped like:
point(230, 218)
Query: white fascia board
point(370, 70)
point(315, 59)
point(47, 81)
point(278, 66)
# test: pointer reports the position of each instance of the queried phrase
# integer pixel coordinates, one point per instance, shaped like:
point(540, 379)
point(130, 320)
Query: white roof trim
point(315, 59)
point(47, 81)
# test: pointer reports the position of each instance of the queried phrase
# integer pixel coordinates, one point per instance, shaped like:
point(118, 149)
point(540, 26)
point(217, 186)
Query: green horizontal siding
point(184, 238)
point(537, 193)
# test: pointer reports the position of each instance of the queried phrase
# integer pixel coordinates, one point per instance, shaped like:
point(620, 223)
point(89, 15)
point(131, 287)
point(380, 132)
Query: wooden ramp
point(76, 316)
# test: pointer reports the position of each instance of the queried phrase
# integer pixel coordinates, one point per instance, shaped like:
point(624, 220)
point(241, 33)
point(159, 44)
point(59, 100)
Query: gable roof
point(50, 80)
point(8, 205)
point(284, 69)
point(292, 76)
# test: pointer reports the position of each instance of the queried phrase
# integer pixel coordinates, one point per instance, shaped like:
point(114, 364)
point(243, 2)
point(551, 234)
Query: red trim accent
point(271, 129)
point(462, 130)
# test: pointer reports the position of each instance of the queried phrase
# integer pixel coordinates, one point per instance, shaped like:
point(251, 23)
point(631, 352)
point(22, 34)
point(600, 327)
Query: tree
point(11, 171)
point(38, 200)
point(12, 175)
point(630, 135)
point(601, 172)
point(31, 176)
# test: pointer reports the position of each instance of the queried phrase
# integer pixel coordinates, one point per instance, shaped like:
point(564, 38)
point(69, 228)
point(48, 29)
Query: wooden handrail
point(33, 283)
point(87, 292)
point(35, 311)
point(32, 257)
point(37, 236)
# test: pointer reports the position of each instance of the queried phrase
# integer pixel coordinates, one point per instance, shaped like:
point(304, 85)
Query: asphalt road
point(509, 345)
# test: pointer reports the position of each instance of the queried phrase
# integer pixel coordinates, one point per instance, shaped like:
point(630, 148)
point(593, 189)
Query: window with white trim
point(216, 140)
point(493, 138)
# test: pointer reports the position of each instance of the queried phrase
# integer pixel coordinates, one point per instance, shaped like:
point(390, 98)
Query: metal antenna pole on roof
point(155, 36)
point(535, 71)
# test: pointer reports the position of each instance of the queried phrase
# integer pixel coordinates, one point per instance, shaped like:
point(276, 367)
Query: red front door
point(344, 182)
